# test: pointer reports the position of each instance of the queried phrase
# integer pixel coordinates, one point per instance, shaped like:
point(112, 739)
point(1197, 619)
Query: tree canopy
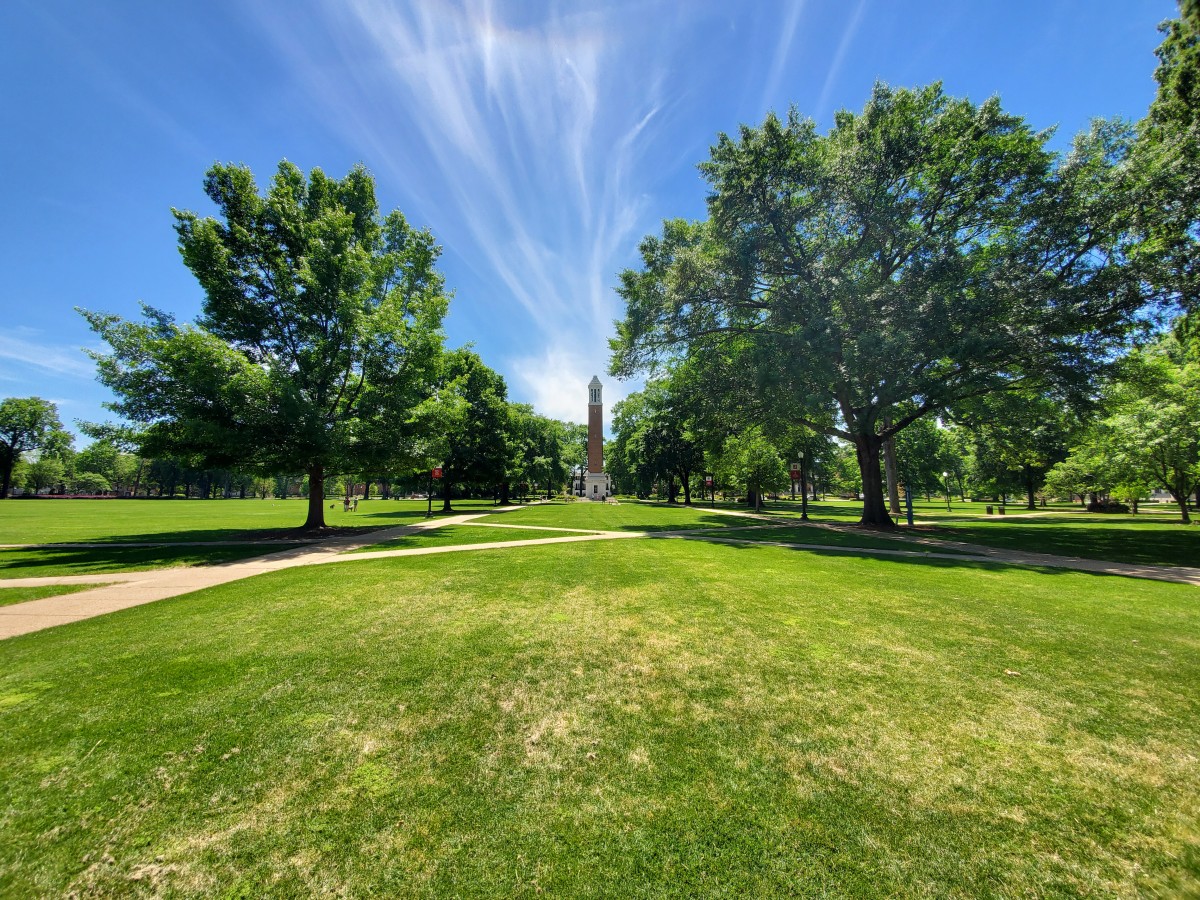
point(924, 251)
point(320, 331)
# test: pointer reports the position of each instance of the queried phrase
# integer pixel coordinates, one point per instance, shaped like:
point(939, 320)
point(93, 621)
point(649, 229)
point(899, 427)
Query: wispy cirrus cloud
point(839, 58)
point(518, 139)
point(783, 50)
point(22, 346)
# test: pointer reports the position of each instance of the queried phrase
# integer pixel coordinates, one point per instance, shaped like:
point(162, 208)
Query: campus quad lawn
point(1154, 537)
point(814, 534)
point(9, 596)
point(1153, 540)
point(640, 717)
point(628, 515)
point(451, 535)
point(39, 562)
point(70, 521)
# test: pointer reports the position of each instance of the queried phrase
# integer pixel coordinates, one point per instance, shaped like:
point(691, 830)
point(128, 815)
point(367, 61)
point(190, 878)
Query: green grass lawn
point(46, 561)
point(9, 596)
point(642, 718)
point(451, 535)
point(1155, 537)
point(624, 516)
point(70, 521)
point(1153, 540)
point(810, 534)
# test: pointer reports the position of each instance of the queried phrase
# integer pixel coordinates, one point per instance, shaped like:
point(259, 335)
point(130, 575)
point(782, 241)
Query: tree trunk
point(1032, 502)
point(751, 497)
point(685, 477)
point(8, 462)
point(385, 489)
point(1182, 495)
point(445, 493)
point(504, 494)
point(875, 514)
point(316, 498)
point(893, 475)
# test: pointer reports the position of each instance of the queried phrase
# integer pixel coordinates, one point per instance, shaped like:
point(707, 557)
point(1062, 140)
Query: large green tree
point(474, 424)
point(923, 251)
point(1155, 422)
point(27, 424)
point(1169, 161)
point(320, 331)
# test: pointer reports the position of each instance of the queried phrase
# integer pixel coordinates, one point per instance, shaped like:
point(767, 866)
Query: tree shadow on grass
point(903, 556)
point(1125, 542)
point(47, 561)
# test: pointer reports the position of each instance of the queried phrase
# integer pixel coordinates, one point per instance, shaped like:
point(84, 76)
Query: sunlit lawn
point(623, 516)
point(452, 535)
point(9, 596)
point(39, 562)
point(638, 718)
point(69, 521)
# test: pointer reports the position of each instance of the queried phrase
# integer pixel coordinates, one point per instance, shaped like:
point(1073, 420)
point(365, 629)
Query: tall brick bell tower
point(596, 484)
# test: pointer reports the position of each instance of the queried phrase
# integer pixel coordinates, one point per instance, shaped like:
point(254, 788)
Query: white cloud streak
point(839, 58)
point(67, 362)
point(783, 50)
point(517, 139)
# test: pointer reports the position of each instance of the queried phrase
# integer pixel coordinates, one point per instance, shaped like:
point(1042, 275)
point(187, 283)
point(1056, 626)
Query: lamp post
point(435, 472)
point(908, 500)
point(712, 491)
point(946, 479)
point(803, 491)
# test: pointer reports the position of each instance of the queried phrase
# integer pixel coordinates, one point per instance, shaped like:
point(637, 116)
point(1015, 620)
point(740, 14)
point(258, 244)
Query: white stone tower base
point(596, 486)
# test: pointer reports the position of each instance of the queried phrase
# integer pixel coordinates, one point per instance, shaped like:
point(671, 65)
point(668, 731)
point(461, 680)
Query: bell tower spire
point(596, 485)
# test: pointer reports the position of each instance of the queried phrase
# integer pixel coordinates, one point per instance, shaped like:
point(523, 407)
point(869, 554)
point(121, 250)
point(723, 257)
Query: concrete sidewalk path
point(122, 590)
point(964, 550)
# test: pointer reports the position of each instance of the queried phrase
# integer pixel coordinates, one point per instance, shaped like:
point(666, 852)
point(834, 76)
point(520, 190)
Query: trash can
point(989, 509)
point(1001, 510)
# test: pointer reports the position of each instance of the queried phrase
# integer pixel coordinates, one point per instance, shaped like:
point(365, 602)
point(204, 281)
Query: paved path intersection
point(121, 590)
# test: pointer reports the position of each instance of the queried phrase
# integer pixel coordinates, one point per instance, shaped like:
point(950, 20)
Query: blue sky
point(538, 141)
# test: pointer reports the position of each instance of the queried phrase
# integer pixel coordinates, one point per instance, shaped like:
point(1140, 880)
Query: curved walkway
point(122, 590)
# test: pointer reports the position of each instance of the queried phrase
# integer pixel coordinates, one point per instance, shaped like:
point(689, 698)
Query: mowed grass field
point(1153, 537)
point(639, 718)
point(208, 532)
point(122, 521)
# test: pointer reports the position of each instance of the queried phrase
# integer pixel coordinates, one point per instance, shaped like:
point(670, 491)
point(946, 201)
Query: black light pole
point(803, 491)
